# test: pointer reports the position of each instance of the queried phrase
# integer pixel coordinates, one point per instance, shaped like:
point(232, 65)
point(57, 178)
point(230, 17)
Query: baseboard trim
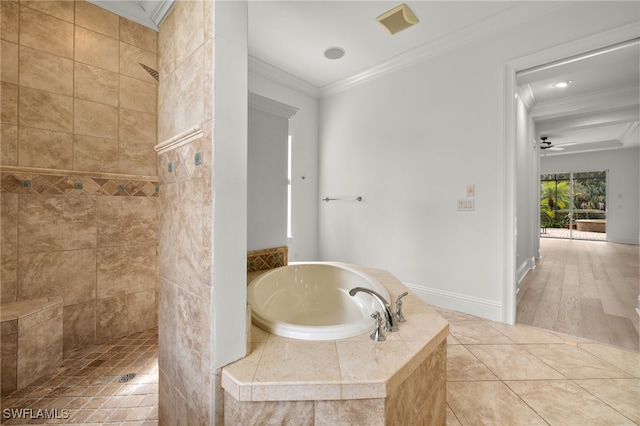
point(459, 302)
point(524, 268)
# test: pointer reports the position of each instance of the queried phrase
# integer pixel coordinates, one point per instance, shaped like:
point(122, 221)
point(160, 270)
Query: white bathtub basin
point(310, 301)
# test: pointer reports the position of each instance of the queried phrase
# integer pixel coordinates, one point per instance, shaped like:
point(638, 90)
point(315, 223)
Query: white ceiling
point(287, 40)
point(598, 110)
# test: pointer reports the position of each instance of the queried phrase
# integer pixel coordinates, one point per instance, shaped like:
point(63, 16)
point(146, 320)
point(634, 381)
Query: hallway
point(586, 289)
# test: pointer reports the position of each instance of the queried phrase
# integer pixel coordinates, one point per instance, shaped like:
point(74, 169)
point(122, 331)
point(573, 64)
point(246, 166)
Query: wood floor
point(586, 289)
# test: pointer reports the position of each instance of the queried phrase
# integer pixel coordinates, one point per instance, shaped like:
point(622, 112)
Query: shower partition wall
point(574, 205)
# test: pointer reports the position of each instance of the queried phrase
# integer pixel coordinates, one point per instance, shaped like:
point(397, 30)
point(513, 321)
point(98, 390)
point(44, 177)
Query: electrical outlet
point(466, 205)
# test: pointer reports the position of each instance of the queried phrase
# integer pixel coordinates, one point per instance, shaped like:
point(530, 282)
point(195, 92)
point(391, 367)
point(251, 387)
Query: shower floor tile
point(90, 387)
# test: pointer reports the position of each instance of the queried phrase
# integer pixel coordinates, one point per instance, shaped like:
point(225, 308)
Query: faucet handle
point(399, 316)
point(378, 334)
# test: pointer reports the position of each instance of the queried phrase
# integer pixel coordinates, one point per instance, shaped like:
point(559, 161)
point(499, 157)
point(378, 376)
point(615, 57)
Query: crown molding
point(148, 13)
point(506, 19)
point(621, 97)
point(525, 93)
point(273, 107)
point(276, 75)
point(157, 9)
point(628, 132)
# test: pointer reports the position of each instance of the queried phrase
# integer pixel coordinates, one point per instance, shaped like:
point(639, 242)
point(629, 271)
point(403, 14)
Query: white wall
point(267, 173)
point(410, 141)
point(303, 127)
point(623, 186)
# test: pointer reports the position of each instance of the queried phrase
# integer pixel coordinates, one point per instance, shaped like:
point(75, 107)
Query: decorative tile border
point(24, 180)
point(260, 260)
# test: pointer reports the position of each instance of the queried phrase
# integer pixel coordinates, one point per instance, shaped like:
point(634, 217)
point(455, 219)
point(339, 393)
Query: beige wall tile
point(9, 145)
point(10, 11)
point(9, 219)
point(349, 412)
point(9, 66)
point(130, 59)
point(256, 413)
point(9, 113)
point(45, 311)
point(137, 139)
point(135, 157)
point(166, 400)
point(181, 98)
point(125, 221)
point(168, 232)
point(78, 325)
point(209, 80)
point(95, 154)
point(8, 278)
point(9, 327)
point(45, 32)
point(95, 84)
point(168, 333)
point(191, 256)
point(62, 9)
point(96, 49)
point(125, 314)
point(138, 35)
point(56, 222)
point(95, 119)
point(43, 110)
point(44, 148)
point(70, 274)
point(9, 363)
point(137, 126)
point(97, 19)
point(189, 35)
point(51, 73)
point(40, 350)
point(137, 95)
point(128, 269)
point(194, 317)
point(167, 61)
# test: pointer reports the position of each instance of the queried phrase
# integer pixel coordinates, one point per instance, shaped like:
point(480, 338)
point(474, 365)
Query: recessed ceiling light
point(334, 53)
point(562, 84)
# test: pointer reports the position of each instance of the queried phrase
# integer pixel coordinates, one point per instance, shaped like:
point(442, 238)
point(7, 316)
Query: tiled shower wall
point(185, 99)
point(79, 185)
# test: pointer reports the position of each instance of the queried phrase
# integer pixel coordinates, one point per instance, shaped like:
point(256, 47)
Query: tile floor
point(86, 388)
point(521, 375)
point(496, 374)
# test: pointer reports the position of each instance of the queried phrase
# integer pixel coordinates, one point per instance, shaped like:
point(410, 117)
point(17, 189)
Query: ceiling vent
point(397, 19)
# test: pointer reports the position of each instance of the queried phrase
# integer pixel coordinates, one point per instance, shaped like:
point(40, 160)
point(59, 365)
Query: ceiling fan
point(545, 144)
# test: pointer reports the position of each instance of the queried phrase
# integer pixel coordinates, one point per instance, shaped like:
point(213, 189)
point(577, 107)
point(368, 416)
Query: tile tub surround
point(326, 382)
point(31, 341)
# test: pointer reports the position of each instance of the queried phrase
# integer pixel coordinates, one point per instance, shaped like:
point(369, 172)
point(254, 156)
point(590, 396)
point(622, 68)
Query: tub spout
point(390, 320)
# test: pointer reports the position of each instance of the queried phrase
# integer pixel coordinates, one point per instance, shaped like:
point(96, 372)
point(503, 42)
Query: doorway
point(566, 53)
point(573, 205)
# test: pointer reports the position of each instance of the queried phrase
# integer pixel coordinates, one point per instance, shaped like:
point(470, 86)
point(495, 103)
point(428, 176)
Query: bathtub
point(310, 301)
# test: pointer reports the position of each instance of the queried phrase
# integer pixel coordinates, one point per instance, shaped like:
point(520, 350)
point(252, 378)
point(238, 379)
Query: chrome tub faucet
point(390, 319)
